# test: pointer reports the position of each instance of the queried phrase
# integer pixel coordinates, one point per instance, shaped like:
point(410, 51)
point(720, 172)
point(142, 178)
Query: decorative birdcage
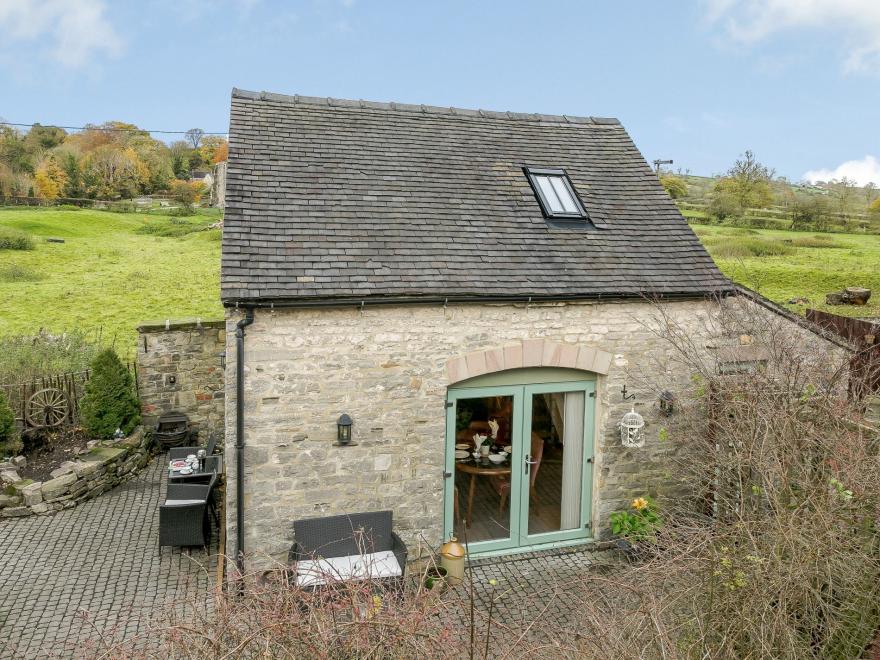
point(631, 429)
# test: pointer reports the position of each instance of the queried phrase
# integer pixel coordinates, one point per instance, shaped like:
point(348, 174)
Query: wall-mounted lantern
point(667, 403)
point(222, 357)
point(343, 429)
point(631, 429)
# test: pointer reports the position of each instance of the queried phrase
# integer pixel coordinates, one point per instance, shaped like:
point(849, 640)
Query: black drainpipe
point(239, 435)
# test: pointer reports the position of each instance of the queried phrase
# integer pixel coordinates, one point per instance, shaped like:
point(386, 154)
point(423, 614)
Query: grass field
point(782, 265)
point(112, 272)
point(116, 270)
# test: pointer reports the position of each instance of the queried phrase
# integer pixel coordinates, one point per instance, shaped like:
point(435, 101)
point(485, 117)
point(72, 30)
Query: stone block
point(53, 488)
point(15, 512)
point(9, 500)
point(382, 462)
point(513, 356)
point(40, 508)
point(31, 493)
point(9, 476)
point(86, 468)
point(78, 487)
point(19, 461)
point(104, 455)
point(476, 364)
point(533, 352)
point(65, 468)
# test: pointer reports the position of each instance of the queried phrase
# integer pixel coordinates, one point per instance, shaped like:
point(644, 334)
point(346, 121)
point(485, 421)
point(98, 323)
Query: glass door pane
point(482, 486)
point(555, 462)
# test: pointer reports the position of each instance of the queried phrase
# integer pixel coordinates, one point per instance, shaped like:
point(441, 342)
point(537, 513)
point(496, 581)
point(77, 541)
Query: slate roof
point(330, 199)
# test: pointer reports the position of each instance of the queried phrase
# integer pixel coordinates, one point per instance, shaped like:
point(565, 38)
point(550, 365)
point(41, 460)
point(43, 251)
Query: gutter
point(305, 303)
point(239, 437)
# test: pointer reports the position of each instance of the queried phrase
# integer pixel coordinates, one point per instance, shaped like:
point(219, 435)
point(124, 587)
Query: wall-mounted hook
point(627, 397)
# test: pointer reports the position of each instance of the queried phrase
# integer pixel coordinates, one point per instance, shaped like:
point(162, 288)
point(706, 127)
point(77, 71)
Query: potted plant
point(435, 579)
point(636, 527)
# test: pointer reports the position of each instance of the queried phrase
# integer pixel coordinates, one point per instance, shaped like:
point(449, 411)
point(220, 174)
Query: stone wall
point(387, 368)
point(92, 473)
point(179, 367)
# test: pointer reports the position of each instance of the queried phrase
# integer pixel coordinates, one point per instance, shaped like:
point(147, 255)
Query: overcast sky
point(796, 81)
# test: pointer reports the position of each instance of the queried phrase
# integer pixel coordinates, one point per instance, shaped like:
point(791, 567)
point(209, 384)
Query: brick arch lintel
point(528, 353)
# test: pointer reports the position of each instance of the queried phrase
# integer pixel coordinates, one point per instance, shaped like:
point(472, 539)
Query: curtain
point(572, 458)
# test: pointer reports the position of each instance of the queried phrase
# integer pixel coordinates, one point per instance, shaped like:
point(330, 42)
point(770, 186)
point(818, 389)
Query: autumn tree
point(675, 186)
point(45, 137)
point(50, 179)
point(187, 193)
point(110, 172)
point(221, 153)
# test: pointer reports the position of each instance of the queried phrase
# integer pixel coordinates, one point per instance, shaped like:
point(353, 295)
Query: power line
point(105, 128)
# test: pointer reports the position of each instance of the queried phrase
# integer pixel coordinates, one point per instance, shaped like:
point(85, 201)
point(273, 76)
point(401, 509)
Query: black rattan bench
point(346, 536)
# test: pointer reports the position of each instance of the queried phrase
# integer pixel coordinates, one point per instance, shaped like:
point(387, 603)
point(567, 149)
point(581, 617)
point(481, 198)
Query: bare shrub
point(270, 617)
point(776, 552)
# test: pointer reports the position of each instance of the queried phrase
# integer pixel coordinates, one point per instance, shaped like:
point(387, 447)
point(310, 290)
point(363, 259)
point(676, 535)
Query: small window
point(555, 193)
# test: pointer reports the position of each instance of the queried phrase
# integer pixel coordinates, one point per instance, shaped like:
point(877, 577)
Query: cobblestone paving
point(101, 558)
point(537, 595)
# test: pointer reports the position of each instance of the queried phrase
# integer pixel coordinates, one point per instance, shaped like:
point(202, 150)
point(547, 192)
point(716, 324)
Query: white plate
point(186, 471)
point(463, 445)
point(461, 454)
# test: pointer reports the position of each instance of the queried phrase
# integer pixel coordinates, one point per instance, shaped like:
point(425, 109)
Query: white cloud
point(858, 21)
point(864, 171)
point(73, 30)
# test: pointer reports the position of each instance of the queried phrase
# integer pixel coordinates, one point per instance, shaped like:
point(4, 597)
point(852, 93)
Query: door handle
point(528, 462)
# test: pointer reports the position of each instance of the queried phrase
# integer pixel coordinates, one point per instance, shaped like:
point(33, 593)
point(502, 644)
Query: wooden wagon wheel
point(47, 408)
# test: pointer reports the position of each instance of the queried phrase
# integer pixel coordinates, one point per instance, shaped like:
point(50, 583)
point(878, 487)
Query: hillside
point(112, 271)
point(783, 265)
point(116, 270)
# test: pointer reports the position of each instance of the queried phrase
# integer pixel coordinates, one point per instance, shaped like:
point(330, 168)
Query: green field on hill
point(113, 271)
point(783, 265)
point(116, 270)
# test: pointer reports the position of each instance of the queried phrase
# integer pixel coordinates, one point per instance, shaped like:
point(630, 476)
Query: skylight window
point(555, 193)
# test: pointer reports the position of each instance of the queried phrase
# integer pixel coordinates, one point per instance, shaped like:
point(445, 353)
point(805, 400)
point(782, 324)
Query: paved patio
point(99, 561)
point(98, 558)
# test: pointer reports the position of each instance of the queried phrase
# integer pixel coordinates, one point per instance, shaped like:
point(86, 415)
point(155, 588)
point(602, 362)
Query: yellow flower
point(639, 503)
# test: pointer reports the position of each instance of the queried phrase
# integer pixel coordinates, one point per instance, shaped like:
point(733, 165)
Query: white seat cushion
point(310, 573)
point(182, 502)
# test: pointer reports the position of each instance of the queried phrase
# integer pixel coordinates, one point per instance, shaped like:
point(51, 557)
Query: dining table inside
point(480, 467)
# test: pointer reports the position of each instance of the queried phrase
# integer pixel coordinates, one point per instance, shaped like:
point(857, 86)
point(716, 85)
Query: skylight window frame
point(559, 173)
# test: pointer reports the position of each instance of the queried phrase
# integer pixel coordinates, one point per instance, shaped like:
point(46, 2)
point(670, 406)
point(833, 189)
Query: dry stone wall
point(179, 367)
point(92, 473)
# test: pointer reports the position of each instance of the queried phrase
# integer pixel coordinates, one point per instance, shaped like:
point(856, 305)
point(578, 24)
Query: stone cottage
point(468, 289)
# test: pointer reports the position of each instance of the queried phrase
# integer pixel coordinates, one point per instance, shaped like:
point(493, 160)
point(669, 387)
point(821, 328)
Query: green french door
point(535, 487)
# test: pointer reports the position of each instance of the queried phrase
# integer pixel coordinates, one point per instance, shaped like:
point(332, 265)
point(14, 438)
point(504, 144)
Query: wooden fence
point(864, 366)
point(51, 400)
